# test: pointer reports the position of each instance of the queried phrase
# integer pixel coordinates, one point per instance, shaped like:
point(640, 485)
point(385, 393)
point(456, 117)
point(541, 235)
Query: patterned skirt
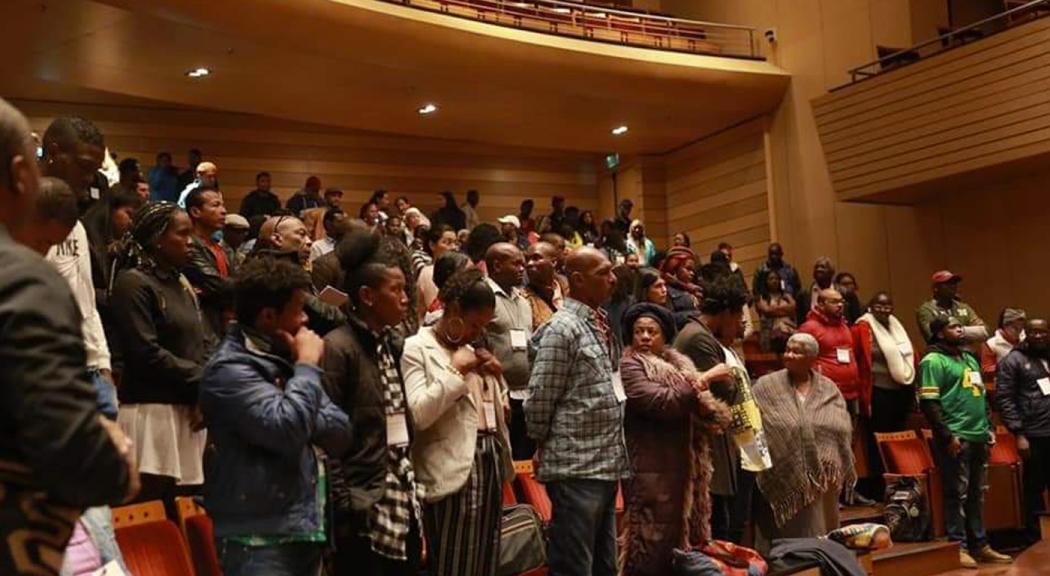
point(463, 529)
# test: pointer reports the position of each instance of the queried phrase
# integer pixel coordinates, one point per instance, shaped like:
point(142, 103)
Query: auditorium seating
point(199, 533)
point(615, 25)
point(1004, 499)
point(905, 454)
point(150, 543)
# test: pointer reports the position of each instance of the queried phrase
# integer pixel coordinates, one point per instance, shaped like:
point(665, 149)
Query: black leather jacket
point(214, 290)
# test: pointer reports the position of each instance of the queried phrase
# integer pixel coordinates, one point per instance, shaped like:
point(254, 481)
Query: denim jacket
point(264, 416)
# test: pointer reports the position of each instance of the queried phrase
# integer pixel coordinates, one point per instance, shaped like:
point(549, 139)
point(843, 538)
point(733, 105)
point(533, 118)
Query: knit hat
point(656, 312)
point(940, 323)
point(1013, 315)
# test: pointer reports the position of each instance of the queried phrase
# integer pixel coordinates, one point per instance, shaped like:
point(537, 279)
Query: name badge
point(519, 340)
point(396, 430)
point(783, 285)
point(94, 193)
point(842, 354)
point(617, 382)
point(489, 408)
point(1044, 385)
point(964, 312)
point(975, 378)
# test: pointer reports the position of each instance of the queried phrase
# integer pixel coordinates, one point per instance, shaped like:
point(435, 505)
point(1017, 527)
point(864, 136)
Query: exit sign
point(612, 161)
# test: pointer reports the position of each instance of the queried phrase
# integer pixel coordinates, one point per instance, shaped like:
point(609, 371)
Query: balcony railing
point(1018, 12)
point(611, 25)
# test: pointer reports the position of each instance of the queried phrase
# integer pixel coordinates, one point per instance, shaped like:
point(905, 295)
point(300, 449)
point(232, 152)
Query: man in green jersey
point(953, 399)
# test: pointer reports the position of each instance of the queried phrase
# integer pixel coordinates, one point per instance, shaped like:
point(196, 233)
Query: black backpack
point(906, 512)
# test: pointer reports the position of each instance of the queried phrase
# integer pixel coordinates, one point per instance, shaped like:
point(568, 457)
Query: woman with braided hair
point(158, 324)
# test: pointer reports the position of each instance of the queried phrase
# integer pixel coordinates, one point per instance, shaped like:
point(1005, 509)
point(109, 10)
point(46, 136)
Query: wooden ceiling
point(369, 65)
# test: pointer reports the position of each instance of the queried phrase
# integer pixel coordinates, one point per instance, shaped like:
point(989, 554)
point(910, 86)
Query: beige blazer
point(446, 417)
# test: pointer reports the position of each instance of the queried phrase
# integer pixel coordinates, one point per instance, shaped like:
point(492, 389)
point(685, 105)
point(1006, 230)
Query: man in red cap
point(308, 197)
point(946, 303)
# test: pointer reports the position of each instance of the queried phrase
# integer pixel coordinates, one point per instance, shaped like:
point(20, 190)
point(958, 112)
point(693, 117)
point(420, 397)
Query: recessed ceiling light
point(619, 130)
point(428, 109)
point(198, 73)
point(561, 10)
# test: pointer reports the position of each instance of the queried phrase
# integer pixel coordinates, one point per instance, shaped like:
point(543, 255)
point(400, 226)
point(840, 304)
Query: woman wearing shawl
point(159, 328)
point(683, 294)
point(886, 365)
point(809, 433)
point(668, 417)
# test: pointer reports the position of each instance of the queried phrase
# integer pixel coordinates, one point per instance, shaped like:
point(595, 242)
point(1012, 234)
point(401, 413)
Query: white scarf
point(895, 346)
point(1000, 345)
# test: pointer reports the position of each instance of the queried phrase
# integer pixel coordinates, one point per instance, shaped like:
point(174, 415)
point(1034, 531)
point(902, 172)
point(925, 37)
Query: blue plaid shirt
point(572, 409)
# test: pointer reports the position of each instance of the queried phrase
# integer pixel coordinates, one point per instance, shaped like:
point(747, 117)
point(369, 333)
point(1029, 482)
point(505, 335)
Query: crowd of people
point(340, 389)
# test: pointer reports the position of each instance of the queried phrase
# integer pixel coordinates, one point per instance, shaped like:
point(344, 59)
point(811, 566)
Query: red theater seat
point(200, 535)
point(905, 454)
point(154, 548)
point(532, 492)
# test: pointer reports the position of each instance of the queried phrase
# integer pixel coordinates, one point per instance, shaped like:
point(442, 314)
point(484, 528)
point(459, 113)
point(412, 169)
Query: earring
point(448, 328)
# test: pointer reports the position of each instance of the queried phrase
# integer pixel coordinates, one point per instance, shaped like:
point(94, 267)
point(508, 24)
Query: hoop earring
point(462, 329)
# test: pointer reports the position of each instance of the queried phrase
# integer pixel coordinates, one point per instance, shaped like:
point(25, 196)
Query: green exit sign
point(612, 160)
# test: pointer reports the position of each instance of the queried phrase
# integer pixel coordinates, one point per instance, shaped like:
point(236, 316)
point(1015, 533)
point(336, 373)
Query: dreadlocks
point(149, 224)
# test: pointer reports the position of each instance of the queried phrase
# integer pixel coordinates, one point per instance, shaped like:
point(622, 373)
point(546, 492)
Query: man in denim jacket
point(266, 486)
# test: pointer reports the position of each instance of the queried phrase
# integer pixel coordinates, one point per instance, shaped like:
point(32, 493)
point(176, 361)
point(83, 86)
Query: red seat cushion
point(154, 549)
point(907, 457)
point(200, 535)
point(509, 498)
point(535, 495)
point(1005, 449)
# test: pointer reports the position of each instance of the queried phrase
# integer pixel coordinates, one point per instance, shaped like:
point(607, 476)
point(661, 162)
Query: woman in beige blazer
point(461, 452)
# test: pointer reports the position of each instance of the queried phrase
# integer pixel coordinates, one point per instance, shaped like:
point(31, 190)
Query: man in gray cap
point(1009, 334)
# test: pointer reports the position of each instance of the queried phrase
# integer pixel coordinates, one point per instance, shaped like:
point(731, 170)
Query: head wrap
point(656, 312)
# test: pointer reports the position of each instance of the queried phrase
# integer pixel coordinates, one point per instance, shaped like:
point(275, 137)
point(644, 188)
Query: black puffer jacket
point(1024, 407)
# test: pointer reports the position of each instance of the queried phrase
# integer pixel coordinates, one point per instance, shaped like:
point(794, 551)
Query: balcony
point(603, 24)
point(964, 114)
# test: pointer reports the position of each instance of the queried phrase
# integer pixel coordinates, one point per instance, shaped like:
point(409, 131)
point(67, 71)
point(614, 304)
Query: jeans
point(296, 559)
point(964, 477)
point(583, 528)
point(1036, 479)
point(106, 394)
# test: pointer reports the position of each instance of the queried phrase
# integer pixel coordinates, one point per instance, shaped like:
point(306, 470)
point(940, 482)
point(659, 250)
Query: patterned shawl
point(712, 417)
point(810, 443)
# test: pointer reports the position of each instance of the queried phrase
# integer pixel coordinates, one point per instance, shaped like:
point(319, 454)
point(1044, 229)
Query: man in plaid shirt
point(575, 414)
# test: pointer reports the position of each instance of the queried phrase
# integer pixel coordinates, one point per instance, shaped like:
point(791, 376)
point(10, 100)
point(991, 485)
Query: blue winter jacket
point(264, 417)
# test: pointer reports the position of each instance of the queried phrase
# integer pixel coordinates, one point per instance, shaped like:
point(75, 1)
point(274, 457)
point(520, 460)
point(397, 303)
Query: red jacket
point(837, 359)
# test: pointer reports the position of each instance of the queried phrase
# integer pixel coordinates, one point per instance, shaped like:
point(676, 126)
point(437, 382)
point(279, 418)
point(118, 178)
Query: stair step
point(917, 559)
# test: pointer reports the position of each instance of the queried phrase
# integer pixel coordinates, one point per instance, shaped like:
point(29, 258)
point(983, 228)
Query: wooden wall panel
point(963, 112)
point(717, 190)
point(355, 161)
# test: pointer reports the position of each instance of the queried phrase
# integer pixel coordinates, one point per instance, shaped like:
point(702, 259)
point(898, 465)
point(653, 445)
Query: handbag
point(522, 543)
point(719, 557)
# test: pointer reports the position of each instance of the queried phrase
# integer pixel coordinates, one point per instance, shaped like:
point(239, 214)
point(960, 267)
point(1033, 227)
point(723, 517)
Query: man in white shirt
point(335, 225)
point(73, 154)
point(508, 333)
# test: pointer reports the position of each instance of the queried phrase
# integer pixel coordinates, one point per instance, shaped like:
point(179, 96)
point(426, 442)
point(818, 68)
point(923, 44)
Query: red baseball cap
point(945, 276)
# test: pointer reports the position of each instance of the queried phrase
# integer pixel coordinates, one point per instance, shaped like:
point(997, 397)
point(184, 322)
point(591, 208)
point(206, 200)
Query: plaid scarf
point(391, 517)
